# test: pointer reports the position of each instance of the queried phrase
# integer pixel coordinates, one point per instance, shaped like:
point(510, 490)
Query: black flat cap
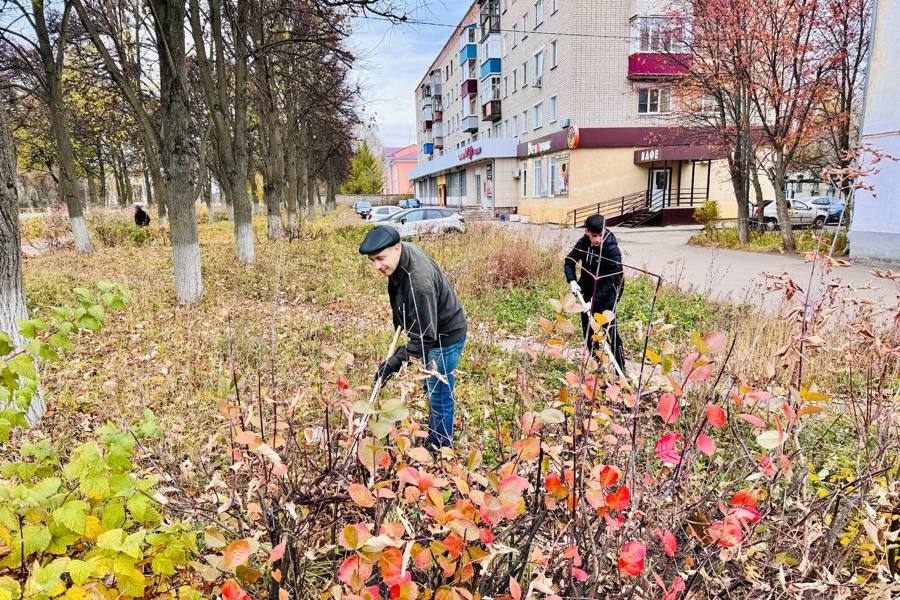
point(379, 238)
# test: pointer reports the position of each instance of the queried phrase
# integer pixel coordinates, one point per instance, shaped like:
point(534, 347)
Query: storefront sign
point(470, 153)
point(573, 137)
point(650, 155)
point(538, 148)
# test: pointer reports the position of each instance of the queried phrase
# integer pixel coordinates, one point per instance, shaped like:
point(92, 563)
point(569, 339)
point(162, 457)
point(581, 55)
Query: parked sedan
point(382, 213)
point(417, 222)
point(834, 206)
point(410, 203)
point(801, 214)
point(362, 208)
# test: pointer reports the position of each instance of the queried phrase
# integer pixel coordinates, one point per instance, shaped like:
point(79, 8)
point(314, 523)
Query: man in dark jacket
point(601, 282)
point(141, 218)
point(425, 305)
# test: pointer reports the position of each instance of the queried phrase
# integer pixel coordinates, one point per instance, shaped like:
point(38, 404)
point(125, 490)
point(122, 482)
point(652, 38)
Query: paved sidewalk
point(719, 274)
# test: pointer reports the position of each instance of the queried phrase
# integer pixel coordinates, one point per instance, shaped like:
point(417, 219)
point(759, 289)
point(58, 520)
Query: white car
point(416, 222)
point(382, 213)
point(801, 213)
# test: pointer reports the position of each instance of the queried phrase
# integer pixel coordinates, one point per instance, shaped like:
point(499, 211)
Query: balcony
point(469, 87)
point(490, 17)
point(657, 65)
point(438, 116)
point(490, 111)
point(439, 141)
point(470, 124)
point(427, 125)
point(437, 130)
point(436, 90)
point(467, 53)
point(490, 67)
point(428, 148)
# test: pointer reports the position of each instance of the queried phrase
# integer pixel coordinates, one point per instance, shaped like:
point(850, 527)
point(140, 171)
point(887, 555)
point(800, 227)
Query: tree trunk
point(12, 290)
point(784, 215)
point(207, 195)
point(148, 186)
point(177, 156)
point(101, 163)
point(293, 183)
point(93, 192)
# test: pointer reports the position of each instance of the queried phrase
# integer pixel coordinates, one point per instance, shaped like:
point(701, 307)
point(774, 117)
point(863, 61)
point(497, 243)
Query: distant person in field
point(141, 218)
point(425, 305)
point(601, 281)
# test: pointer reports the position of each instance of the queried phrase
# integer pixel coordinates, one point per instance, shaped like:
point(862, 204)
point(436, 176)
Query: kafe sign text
point(650, 154)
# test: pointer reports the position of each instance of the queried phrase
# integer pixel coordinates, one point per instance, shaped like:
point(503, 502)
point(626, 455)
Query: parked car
point(801, 213)
point(410, 203)
point(834, 206)
point(417, 222)
point(381, 213)
point(362, 208)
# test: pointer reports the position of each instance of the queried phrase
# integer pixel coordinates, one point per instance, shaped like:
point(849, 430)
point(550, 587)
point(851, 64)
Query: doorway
point(478, 193)
point(659, 188)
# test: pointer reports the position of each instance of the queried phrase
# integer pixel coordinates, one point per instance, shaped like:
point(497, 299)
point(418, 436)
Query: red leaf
point(514, 484)
point(767, 466)
point(361, 495)
point(631, 558)
point(278, 552)
point(620, 499)
point(726, 533)
point(706, 445)
point(515, 590)
point(554, 485)
point(231, 590)
point(744, 498)
point(665, 449)
point(668, 408)
point(486, 536)
point(677, 587)
point(580, 575)
point(354, 572)
point(715, 414)
point(668, 541)
point(237, 553)
point(609, 476)
point(754, 420)
point(391, 564)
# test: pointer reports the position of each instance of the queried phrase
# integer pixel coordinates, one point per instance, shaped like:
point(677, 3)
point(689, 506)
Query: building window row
point(653, 101)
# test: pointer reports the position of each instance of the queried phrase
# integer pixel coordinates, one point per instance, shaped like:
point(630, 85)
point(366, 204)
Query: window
point(503, 43)
point(540, 183)
point(525, 74)
point(552, 110)
point(506, 128)
point(503, 5)
point(539, 68)
point(559, 175)
point(654, 101)
point(515, 34)
point(515, 80)
point(538, 12)
point(555, 6)
point(524, 121)
point(538, 115)
point(506, 87)
point(554, 54)
point(515, 125)
point(654, 35)
point(524, 173)
point(525, 25)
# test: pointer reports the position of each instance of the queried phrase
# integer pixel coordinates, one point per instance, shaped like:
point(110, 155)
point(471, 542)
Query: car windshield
point(395, 218)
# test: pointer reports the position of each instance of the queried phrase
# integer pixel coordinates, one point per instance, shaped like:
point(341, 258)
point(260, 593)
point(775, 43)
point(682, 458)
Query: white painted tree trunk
point(292, 220)
point(188, 280)
point(230, 210)
point(274, 227)
point(12, 291)
point(243, 237)
point(164, 220)
point(81, 235)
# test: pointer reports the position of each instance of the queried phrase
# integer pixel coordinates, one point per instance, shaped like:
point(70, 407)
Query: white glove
point(576, 289)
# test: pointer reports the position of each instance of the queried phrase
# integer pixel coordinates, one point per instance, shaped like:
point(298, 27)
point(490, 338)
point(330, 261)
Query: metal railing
point(630, 204)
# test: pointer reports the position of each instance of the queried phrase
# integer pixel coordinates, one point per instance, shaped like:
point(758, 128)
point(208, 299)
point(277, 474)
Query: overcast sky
point(392, 61)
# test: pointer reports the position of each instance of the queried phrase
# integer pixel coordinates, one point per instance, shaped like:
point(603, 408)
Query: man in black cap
point(141, 218)
point(601, 282)
point(425, 305)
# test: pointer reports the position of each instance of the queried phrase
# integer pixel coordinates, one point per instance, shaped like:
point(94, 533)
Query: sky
point(392, 60)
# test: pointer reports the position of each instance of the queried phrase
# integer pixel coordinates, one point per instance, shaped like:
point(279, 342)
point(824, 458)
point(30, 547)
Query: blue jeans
point(440, 421)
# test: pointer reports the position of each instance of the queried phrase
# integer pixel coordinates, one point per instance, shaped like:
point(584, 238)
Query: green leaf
point(84, 295)
point(89, 323)
point(22, 365)
point(113, 514)
point(61, 341)
point(162, 565)
point(27, 329)
point(381, 429)
point(95, 486)
point(72, 515)
point(46, 488)
point(6, 345)
point(80, 570)
point(36, 539)
point(97, 312)
point(363, 407)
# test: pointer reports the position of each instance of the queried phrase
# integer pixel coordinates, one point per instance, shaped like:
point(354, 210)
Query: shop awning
point(689, 152)
point(460, 157)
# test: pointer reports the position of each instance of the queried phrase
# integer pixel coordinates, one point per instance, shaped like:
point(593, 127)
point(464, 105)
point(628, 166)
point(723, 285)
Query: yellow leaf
point(809, 410)
point(92, 528)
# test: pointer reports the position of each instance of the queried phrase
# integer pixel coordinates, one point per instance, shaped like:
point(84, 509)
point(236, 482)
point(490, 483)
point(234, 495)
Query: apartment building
point(397, 164)
point(550, 106)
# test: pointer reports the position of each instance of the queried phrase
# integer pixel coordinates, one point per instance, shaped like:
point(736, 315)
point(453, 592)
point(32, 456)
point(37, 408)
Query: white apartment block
point(545, 107)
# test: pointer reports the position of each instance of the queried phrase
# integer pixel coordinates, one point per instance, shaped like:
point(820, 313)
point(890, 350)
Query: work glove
point(576, 289)
point(383, 373)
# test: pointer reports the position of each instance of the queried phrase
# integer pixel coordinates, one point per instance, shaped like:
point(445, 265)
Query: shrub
point(114, 230)
point(708, 215)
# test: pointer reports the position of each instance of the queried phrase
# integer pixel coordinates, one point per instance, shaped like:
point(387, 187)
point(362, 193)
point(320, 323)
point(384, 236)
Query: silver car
point(382, 213)
point(801, 214)
point(417, 222)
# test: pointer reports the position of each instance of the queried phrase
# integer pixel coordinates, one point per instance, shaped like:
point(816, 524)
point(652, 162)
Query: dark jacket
point(425, 305)
point(141, 218)
point(605, 264)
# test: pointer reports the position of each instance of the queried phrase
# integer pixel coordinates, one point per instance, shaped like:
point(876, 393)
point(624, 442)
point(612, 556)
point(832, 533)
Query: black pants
point(612, 332)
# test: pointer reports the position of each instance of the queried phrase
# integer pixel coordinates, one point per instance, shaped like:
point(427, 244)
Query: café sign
point(539, 148)
point(650, 155)
point(470, 153)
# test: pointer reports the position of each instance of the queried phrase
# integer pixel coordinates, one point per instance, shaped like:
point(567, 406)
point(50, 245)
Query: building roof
point(397, 153)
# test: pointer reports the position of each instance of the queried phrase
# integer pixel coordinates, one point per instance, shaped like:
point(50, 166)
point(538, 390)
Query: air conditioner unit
point(566, 123)
point(517, 173)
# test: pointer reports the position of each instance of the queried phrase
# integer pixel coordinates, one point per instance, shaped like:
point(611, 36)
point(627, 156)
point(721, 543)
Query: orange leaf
point(631, 558)
point(231, 590)
point(237, 553)
point(361, 495)
point(391, 565)
point(668, 408)
point(609, 476)
point(278, 552)
point(706, 445)
point(620, 499)
point(715, 415)
point(515, 590)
